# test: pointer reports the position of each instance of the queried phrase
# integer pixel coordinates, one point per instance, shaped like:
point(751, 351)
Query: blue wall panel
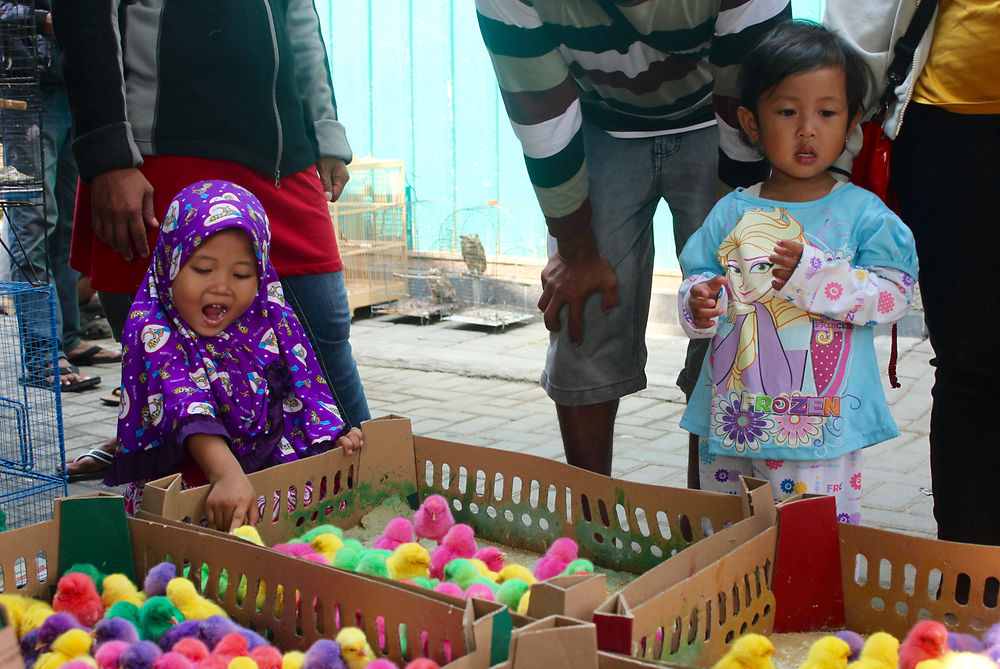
point(413, 81)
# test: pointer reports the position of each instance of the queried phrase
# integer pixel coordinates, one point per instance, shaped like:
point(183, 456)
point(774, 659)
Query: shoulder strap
point(906, 46)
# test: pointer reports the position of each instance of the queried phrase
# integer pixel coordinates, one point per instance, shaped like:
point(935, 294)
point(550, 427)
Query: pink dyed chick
point(927, 640)
point(480, 591)
point(191, 648)
point(230, 646)
point(382, 663)
point(77, 594)
point(298, 550)
point(109, 653)
point(172, 660)
point(492, 557)
point(433, 519)
point(423, 663)
point(397, 532)
point(449, 588)
point(266, 657)
point(562, 551)
point(459, 542)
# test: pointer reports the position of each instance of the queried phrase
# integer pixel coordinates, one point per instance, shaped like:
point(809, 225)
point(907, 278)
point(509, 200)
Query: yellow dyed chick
point(241, 662)
point(120, 588)
point(249, 533)
point(828, 652)
point(293, 659)
point(881, 651)
point(963, 660)
point(750, 651)
point(409, 561)
point(515, 571)
point(15, 605)
point(522, 606)
point(327, 544)
point(34, 616)
point(354, 648)
point(193, 606)
point(69, 645)
point(484, 570)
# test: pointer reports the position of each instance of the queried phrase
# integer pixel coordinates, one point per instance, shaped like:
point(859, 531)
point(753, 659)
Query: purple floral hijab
point(257, 384)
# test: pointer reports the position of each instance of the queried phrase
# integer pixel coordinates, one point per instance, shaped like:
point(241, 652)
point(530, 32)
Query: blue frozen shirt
point(792, 374)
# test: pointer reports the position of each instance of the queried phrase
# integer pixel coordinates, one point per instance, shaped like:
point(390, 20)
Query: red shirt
point(302, 237)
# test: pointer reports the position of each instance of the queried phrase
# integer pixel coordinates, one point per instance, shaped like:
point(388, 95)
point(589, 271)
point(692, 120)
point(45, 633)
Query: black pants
point(946, 170)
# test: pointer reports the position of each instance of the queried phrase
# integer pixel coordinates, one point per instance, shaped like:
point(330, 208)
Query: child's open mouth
point(805, 156)
point(214, 313)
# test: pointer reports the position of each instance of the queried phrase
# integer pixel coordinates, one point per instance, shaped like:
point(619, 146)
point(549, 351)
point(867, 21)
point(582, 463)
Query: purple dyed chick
point(854, 641)
point(54, 625)
point(155, 583)
point(29, 646)
point(253, 639)
point(324, 654)
point(213, 628)
point(991, 637)
point(140, 655)
point(114, 629)
point(964, 643)
point(179, 631)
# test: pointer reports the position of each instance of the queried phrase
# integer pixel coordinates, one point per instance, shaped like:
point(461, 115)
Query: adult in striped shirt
point(618, 104)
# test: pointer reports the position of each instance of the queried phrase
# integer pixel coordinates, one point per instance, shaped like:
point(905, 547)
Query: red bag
point(870, 169)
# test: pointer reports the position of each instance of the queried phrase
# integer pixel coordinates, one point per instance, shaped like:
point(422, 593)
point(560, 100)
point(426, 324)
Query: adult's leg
point(948, 207)
point(687, 181)
point(320, 302)
point(586, 381)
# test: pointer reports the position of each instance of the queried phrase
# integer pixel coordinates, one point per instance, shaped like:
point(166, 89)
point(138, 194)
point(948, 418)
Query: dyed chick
point(55, 626)
point(484, 571)
point(126, 610)
point(322, 654)
point(578, 566)
point(854, 640)
point(69, 645)
point(140, 655)
point(293, 659)
point(327, 545)
point(347, 557)
point(108, 656)
point(373, 563)
point(354, 648)
point(248, 533)
point(77, 594)
point(156, 616)
point(433, 519)
point(409, 561)
point(828, 652)
point(114, 629)
point(311, 534)
point(15, 605)
point(492, 557)
point(459, 542)
point(516, 571)
point(562, 551)
point(461, 572)
point(266, 657)
point(34, 616)
point(510, 592)
point(397, 531)
point(881, 651)
point(750, 651)
point(927, 640)
point(182, 594)
point(120, 588)
point(155, 583)
point(90, 570)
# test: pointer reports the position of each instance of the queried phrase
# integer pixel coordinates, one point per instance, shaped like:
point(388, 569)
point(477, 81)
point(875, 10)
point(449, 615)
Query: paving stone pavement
point(479, 386)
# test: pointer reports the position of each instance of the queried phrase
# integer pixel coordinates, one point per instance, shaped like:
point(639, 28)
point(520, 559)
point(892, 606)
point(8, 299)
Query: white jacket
point(873, 27)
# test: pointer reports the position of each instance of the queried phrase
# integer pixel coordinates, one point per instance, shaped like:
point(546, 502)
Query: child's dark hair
point(799, 46)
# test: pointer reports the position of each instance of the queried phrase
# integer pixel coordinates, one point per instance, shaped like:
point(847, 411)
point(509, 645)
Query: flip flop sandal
point(92, 356)
point(45, 382)
point(96, 454)
point(114, 399)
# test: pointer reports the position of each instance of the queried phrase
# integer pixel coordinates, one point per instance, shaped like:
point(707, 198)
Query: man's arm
point(737, 29)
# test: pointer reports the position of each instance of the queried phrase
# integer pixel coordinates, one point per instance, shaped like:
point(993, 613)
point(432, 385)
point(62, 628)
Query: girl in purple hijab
point(218, 377)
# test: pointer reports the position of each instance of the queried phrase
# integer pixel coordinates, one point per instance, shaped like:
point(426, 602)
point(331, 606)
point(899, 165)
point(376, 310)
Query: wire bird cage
point(31, 433)
point(370, 223)
point(22, 171)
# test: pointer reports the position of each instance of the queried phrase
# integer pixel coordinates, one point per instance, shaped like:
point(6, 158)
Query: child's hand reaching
point(231, 502)
point(704, 301)
point(785, 258)
point(352, 441)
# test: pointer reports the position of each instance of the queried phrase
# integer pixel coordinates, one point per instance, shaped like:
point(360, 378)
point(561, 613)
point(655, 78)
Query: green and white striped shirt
point(633, 68)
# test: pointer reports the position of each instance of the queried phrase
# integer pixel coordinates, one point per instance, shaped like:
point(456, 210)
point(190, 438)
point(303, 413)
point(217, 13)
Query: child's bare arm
point(231, 501)
point(786, 257)
point(704, 301)
point(351, 441)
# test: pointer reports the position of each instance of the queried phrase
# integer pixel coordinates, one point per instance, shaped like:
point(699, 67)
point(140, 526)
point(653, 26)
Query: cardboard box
point(513, 499)
point(317, 601)
point(688, 610)
point(881, 580)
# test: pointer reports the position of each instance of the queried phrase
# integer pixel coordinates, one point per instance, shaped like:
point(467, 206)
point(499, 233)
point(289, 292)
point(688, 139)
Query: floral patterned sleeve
point(684, 309)
point(842, 292)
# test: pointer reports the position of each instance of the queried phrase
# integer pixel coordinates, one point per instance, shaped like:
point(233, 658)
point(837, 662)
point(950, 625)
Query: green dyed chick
point(578, 566)
point(156, 616)
point(347, 557)
point(126, 610)
point(509, 592)
point(95, 574)
point(461, 572)
point(322, 529)
point(373, 563)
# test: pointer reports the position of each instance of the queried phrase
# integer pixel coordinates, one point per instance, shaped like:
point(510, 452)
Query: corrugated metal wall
point(413, 81)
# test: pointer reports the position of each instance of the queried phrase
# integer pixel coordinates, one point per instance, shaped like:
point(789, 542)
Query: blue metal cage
point(32, 453)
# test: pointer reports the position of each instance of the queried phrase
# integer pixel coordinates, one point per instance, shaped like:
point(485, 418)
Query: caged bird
point(440, 286)
point(750, 651)
point(927, 640)
point(473, 253)
point(880, 651)
point(354, 648)
point(433, 519)
point(828, 652)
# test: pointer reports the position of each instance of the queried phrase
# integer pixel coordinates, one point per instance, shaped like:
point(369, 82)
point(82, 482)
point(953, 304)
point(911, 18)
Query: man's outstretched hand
point(122, 205)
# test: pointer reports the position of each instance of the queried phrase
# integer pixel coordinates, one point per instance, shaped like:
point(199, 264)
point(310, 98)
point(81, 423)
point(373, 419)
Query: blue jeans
point(320, 302)
point(39, 238)
point(627, 179)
